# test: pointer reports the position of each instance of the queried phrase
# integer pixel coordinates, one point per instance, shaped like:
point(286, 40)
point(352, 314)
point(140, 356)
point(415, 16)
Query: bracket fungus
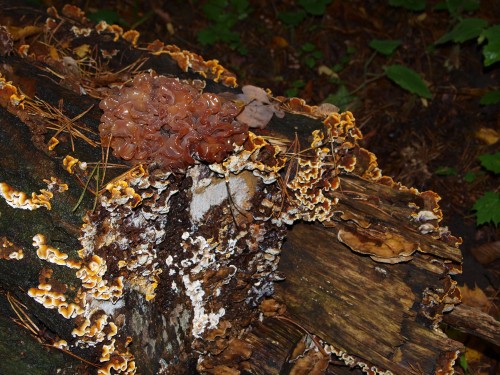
point(10, 251)
point(19, 199)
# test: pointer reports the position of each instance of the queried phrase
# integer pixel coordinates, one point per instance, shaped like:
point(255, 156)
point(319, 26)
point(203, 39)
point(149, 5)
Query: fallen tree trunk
point(169, 261)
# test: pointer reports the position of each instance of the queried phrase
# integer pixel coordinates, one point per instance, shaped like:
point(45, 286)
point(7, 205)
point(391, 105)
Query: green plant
point(294, 90)
point(113, 17)
point(414, 5)
point(408, 79)
point(490, 162)
point(110, 16)
point(491, 50)
point(307, 7)
point(310, 54)
point(472, 28)
point(469, 177)
point(385, 47)
point(463, 363)
point(342, 98)
point(492, 97)
point(456, 7)
point(487, 207)
point(403, 76)
point(464, 30)
point(445, 171)
point(224, 15)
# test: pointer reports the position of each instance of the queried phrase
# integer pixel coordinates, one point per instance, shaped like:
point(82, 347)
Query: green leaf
point(308, 47)
point(467, 29)
point(314, 7)
point(110, 16)
point(241, 8)
point(207, 36)
point(291, 93)
point(385, 47)
point(310, 61)
point(408, 79)
point(487, 208)
point(469, 177)
point(317, 54)
point(342, 98)
point(445, 171)
point(491, 162)
point(456, 7)
point(214, 9)
point(492, 97)
point(415, 5)
point(292, 19)
point(441, 6)
point(298, 84)
point(294, 90)
point(491, 50)
point(463, 362)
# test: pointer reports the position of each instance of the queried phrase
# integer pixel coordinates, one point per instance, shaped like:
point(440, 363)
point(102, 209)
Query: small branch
point(474, 322)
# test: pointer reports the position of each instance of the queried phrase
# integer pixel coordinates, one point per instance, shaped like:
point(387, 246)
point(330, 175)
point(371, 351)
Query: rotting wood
point(475, 322)
point(142, 274)
point(360, 301)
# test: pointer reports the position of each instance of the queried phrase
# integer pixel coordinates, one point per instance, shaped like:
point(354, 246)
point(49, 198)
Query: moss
point(27, 356)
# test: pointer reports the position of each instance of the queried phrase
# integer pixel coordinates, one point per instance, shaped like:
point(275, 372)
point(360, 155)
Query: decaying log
point(212, 248)
point(475, 322)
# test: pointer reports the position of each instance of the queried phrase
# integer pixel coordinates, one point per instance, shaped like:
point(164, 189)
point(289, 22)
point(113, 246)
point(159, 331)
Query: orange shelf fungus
point(9, 94)
point(114, 29)
point(51, 254)
point(19, 199)
point(210, 69)
point(131, 36)
point(69, 162)
point(382, 247)
point(10, 251)
point(55, 300)
point(74, 12)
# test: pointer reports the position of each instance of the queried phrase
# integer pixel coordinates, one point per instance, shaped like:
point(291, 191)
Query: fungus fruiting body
point(19, 199)
point(163, 120)
point(10, 251)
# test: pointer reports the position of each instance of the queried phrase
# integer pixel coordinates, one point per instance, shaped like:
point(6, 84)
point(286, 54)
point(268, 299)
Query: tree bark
point(475, 322)
point(122, 268)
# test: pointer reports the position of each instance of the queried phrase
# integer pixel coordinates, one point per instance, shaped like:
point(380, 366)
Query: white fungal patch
point(203, 258)
point(107, 306)
point(201, 320)
point(423, 216)
point(169, 260)
point(213, 194)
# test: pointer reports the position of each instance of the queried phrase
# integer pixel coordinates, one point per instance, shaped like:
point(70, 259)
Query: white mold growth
point(201, 320)
point(207, 193)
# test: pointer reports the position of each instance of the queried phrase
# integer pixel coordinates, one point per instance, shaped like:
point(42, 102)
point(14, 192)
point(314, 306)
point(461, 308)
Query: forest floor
point(320, 51)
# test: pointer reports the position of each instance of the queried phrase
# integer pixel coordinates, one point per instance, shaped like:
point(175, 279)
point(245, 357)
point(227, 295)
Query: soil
point(430, 144)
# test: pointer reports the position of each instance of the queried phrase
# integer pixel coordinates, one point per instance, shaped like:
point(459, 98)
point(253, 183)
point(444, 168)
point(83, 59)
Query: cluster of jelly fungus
point(170, 123)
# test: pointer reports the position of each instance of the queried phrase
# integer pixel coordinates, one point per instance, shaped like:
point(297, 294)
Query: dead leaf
point(18, 33)
point(487, 253)
point(475, 298)
point(82, 50)
point(279, 42)
point(488, 135)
